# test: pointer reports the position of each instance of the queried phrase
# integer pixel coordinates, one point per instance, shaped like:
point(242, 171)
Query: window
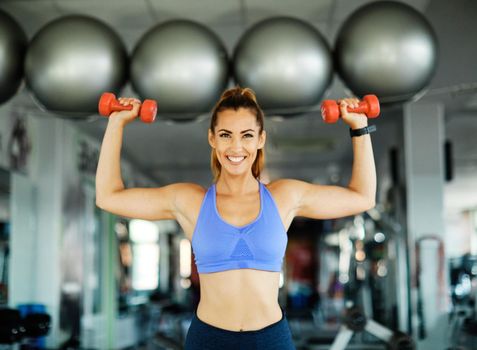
point(144, 236)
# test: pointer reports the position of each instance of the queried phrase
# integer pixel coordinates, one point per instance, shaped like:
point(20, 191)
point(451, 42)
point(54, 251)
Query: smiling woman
point(238, 226)
point(240, 108)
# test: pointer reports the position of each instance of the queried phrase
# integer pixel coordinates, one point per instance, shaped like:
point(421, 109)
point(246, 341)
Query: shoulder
point(178, 193)
point(289, 189)
point(187, 196)
point(188, 190)
point(280, 185)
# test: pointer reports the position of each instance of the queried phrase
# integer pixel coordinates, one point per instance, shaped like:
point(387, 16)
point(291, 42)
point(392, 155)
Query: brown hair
point(236, 98)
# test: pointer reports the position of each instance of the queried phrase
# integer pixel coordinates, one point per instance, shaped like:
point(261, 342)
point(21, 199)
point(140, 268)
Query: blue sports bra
point(220, 246)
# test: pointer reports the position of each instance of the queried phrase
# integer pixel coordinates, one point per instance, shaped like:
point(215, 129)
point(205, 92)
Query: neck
point(236, 184)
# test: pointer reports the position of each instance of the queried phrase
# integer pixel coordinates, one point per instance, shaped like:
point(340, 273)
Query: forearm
point(108, 172)
point(363, 176)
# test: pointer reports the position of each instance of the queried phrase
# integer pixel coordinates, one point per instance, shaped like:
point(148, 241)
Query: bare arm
point(328, 202)
point(108, 172)
point(142, 203)
point(321, 202)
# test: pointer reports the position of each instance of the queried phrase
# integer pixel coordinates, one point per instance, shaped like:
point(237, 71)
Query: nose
point(237, 143)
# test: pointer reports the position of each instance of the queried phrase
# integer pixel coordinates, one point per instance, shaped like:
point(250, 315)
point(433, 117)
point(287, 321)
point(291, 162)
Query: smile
point(236, 160)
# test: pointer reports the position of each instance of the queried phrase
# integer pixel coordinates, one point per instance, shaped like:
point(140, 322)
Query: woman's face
point(236, 140)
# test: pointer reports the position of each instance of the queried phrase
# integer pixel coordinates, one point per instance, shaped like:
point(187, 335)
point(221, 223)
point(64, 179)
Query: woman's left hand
point(354, 120)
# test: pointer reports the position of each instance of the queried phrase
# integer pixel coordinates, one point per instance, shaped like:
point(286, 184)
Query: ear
point(211, 138)
point(262, 139)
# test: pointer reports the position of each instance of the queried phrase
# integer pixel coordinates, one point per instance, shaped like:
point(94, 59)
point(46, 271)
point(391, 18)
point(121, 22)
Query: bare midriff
point(239, 300)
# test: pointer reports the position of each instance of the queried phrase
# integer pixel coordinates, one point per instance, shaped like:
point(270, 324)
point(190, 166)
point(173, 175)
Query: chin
point(235, 171)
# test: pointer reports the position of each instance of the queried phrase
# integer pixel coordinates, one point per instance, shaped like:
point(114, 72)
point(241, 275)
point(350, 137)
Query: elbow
point(98, 198)
point(105, 201)
point(99, 203)
point(365, 201)
point(370, 203)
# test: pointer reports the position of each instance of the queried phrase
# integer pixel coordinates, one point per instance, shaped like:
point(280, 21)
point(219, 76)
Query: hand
point(354, 120)
point(126, 116)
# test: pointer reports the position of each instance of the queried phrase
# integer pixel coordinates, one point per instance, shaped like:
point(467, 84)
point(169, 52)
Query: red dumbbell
point(108, 104)
point(330, 110)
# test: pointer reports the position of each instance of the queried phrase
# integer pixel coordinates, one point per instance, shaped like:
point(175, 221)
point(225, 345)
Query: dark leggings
point(203, 336)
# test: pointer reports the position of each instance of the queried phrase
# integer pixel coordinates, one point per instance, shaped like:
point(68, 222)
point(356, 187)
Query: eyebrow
point(242, 132)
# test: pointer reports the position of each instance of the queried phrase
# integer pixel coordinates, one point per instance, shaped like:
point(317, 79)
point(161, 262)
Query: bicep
point(143, 203)
point(328, 202)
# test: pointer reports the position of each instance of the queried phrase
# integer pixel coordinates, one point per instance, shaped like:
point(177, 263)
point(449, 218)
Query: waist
point(240, 317)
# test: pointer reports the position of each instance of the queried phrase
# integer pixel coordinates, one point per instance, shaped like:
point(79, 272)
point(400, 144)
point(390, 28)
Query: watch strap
point(363, 131)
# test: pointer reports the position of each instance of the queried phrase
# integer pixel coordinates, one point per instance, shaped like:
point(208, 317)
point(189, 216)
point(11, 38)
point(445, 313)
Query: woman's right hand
point(126, 116)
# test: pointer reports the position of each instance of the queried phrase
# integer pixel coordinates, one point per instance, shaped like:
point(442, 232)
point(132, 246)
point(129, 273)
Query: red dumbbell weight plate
point(373, 103)
point(148, 111)
point(104, 105)
point(330, 111)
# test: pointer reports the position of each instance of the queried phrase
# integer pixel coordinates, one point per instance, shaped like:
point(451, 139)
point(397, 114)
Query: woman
point(238, 225)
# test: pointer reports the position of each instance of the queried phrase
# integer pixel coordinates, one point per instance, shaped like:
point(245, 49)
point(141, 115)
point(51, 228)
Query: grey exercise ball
point(13, 44)
point(71, 61)
point(181, 64)
point(386, 48)
point(286, 61)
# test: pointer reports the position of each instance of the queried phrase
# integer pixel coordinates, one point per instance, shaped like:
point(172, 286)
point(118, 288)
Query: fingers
point(347, 102)
point(136, 105)
point(125, 101)
point(128, 100)
point(129, 113)
point(352, 102)
point(131, 101)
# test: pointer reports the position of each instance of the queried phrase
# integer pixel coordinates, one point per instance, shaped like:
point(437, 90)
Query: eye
point(224, 135)
point(248, 135)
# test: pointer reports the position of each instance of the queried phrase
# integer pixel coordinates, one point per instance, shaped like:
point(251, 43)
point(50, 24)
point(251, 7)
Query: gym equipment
point(71, 61)
point(286, 61)
point(13, 44)
point(462, 328)
point(168, 323)
point(15, 327)
point(463, 274)
point(354, 320)
point(357, 293)
point(330, 111)
point(184, 63)
point(11, 328)
point(36, 325)
point(387, 47)
point(108, 104)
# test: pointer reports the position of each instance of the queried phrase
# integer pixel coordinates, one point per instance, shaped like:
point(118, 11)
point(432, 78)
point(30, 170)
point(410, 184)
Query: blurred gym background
point(401, 276)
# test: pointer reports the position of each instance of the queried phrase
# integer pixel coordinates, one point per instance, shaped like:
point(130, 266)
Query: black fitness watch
point(363, 131)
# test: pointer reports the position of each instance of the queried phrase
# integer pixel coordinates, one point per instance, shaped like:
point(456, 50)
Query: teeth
point(235, 159)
